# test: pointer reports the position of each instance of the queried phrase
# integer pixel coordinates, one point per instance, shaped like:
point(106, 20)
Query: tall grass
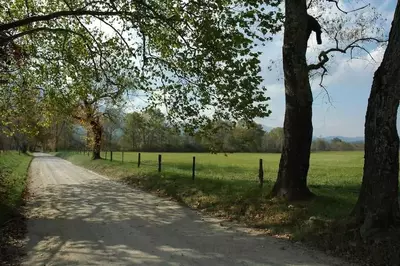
point(13, 174)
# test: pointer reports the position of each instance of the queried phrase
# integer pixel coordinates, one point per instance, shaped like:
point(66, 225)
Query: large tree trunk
point(293, 168)
point(378, 207)
point(97, 133)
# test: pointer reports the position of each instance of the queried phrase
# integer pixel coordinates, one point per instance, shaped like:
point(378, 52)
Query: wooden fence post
point(159, 163)
point(261, 173)
point(138, 162)
point(110, 156)
point(194, 167)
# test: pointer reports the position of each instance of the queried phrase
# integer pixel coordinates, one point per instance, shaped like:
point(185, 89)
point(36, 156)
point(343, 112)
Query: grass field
point(228, 185)
point(13, 174)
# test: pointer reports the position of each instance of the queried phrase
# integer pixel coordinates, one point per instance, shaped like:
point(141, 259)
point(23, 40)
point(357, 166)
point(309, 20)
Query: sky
point(348, 83)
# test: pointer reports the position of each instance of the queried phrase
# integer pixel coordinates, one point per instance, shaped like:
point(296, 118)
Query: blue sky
point(348, 83)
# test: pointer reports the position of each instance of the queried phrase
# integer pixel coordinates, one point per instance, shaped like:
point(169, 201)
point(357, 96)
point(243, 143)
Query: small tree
point(134, 131)
point(275, 139)
point(112, 123)
point(321, 145)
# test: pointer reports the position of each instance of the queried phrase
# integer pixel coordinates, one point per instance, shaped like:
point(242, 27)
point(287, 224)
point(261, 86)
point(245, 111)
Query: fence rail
point(119, 156)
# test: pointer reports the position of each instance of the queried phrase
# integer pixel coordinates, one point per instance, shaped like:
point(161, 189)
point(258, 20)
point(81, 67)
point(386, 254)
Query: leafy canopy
point(195, 58)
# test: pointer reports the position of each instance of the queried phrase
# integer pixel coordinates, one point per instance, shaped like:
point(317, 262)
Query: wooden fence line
point(159, 164)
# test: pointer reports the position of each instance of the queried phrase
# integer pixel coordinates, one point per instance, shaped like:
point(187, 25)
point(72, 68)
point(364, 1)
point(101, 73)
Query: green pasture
point(326, 168)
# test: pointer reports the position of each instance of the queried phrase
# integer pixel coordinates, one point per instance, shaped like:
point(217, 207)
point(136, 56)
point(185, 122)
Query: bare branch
point(364, 49)
point(336, 39)
point(324, 72)
point(323, 59)
point(323, 56)
point(324, 89)
point(346, 12)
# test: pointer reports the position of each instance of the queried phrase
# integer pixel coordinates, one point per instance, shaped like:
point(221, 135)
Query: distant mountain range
point(328, 138)
point(346, 139)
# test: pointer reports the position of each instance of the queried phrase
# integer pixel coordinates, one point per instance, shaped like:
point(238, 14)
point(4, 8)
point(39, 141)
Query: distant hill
point(266, 128)
point(346, 139)
point(328, 138)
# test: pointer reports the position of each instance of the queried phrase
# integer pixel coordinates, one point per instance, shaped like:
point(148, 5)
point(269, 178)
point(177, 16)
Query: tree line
point(150, 131)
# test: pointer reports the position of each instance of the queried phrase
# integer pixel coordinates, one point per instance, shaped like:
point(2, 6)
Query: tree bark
point(291, 183)
point(97, 134)
point(56, 138)
point(377, 207)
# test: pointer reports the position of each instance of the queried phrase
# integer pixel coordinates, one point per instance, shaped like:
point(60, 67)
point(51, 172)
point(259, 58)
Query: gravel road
point(77, 217)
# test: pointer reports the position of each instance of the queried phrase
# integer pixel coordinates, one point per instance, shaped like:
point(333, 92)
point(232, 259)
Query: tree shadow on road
point(106, 223)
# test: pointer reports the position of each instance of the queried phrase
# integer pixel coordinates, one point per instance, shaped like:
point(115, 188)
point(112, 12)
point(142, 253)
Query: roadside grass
point(227, 186)
point(13, 175)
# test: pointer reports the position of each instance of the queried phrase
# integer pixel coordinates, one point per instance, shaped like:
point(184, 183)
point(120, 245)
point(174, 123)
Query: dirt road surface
point(77, 217)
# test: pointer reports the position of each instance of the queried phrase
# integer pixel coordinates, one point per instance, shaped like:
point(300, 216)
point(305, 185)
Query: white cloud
point(352, 70)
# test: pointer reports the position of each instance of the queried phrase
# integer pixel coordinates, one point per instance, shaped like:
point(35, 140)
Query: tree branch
point(98, 46)
point(346, 12)
point(102, 2)
point(77, 117)
point(309, 4)
point(323, 56)
point(58, 30)
point(323, 59)
point(36, 30)
point(27, 8)
point(361, 48)
point(55, 15)
point(110, 95)
point(118, 33)
point(323, 74)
